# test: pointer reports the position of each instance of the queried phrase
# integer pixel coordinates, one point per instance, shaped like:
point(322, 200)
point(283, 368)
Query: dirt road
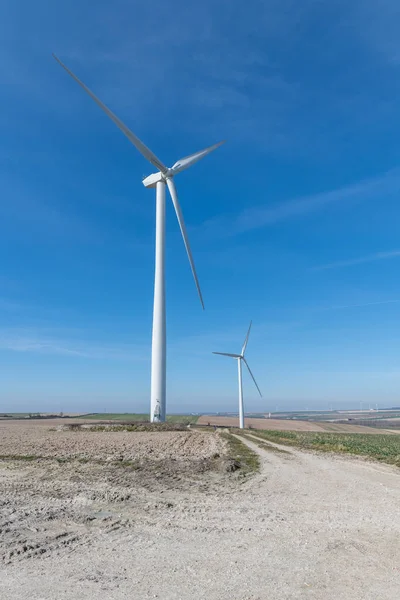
point(308, 526)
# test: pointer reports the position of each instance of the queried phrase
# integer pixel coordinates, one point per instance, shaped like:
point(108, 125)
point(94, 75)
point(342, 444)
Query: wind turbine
point(240, 357)
point(161, 179)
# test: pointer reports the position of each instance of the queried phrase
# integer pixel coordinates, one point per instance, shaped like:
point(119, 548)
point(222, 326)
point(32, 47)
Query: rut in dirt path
point(266, 445)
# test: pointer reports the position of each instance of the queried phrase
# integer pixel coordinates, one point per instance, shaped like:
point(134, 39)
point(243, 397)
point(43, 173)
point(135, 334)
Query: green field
point(116, 417)
point(11, 415)
point(139, 417)
point(385, 448)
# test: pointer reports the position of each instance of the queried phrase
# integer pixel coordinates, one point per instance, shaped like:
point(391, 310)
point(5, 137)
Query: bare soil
point(165, 522)
point(290, 425)
point(54, 439)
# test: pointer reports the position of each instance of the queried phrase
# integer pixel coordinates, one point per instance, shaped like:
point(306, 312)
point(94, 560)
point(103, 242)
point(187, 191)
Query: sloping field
point(50, 439)
point(288, 425)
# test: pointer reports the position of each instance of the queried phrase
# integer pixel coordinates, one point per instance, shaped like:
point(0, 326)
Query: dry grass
point(244, 458)
point(384, 448)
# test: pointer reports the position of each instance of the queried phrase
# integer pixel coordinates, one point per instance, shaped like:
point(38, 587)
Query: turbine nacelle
point(152, 180)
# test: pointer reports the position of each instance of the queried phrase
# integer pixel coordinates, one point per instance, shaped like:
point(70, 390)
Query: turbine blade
point(188, 161)
point(245, 362)
point(246, 340)
point(147, 153)
point(179, 215)
point(227, 354)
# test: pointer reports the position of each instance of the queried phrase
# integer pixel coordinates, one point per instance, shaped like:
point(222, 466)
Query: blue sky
point(293, 223)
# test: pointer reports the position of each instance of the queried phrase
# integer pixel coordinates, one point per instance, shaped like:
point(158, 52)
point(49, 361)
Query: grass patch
point(117, 426)
point(185, 419)
point(25, 457)
point(128, 464)
point(381, 447)
point(115, 417)
point(265, 446)
point(248, 460)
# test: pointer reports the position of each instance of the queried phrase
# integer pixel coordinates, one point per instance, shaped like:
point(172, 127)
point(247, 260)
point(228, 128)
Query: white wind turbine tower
point(240, 357)
point(159, 180)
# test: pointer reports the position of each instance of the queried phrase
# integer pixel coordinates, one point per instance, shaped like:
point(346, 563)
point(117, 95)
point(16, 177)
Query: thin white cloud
point(263, 216)
point(358, 261)
point(378, 28)
point(37, 342)
point(360, 305)
point(232, 76)
point(237, 67)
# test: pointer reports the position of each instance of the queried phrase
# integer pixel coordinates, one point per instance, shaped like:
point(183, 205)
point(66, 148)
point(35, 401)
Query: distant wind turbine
point(240, 357)
point(159, 180)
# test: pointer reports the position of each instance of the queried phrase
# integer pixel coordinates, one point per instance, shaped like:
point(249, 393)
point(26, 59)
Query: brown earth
point(53, 439)
point(289, 425)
